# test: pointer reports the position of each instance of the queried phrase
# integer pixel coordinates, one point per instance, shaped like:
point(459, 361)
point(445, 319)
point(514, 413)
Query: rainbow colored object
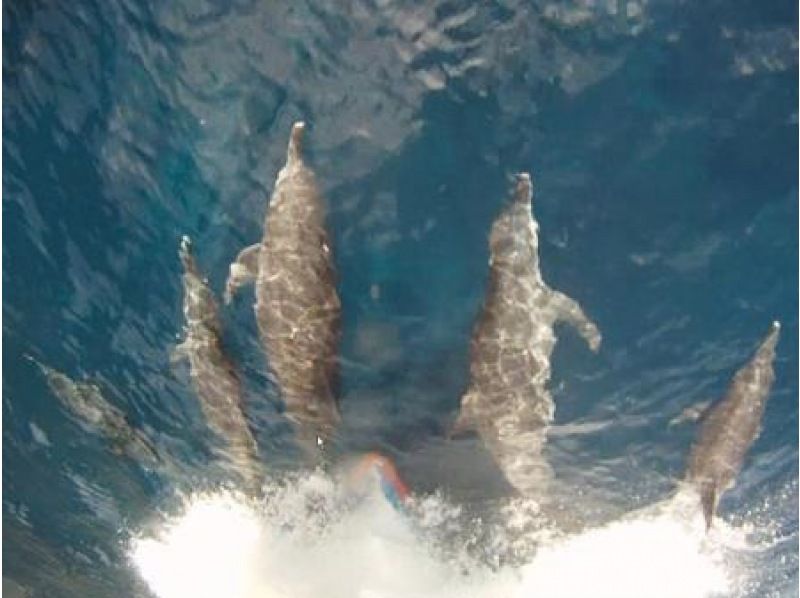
point(392, 486)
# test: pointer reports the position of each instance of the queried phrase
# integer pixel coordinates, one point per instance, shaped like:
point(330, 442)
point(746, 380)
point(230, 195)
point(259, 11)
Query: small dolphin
point(507, 400)
point(213, 375)
point(731, 426)
point(92, 412)
point(297, 307)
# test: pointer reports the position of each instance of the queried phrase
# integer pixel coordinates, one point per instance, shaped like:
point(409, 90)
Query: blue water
point(663, 146)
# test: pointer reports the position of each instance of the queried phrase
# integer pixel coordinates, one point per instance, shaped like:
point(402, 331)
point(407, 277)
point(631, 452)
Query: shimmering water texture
point(284, 315)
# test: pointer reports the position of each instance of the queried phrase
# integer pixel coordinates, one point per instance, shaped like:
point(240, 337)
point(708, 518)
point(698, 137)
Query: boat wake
point(308, 538)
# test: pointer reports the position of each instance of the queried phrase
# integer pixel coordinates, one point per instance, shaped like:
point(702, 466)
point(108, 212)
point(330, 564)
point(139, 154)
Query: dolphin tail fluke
point(243, 271)
point(708, 498)
point(295, 151)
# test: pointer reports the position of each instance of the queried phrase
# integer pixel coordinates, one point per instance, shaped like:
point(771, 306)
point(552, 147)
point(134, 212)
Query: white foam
point(210, 550)
point(660, 557)
point(300, 544)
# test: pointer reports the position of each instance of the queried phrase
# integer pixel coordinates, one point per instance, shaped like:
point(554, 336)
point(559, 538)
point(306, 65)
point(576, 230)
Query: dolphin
point(730, 427)
point(213, 375)
point(88, 407)
point(507, 400)
point(297, 308)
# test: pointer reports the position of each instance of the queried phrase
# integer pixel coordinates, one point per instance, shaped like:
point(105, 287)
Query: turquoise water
point(662, 139)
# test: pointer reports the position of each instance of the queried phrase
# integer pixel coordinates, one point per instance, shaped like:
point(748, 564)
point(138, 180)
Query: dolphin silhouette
point(213, 375)
point(730, 427)
point(297, 308)
point(507, 400)
point(88, 407)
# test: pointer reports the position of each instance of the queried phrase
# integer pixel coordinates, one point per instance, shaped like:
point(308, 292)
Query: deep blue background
point(663, 145)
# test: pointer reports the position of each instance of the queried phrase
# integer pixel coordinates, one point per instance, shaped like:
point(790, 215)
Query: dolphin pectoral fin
point(463, 426)
point(567, 309)
point(708, 498)
point(692, 413)
point(243, 270)
point(117, 447)
point(179, 352)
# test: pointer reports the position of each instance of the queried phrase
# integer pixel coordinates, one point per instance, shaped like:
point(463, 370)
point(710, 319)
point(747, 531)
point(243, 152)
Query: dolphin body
point(213, 374)
point(297, 307)
point(507, 399)
point(95, 414)
point(730, 427)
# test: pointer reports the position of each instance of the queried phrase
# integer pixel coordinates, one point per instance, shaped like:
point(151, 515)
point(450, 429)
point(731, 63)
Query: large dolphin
point(87, 406)
point(213, 375)
point(507, 399)
point(297, 308)
point(730, 426)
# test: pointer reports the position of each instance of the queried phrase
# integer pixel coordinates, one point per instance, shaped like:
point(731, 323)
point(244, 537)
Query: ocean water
point(662, 140)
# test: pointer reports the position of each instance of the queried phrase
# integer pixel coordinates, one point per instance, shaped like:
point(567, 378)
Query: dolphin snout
point(296, 141)
point(185, 250)
point(771, 340)
point(524, 189)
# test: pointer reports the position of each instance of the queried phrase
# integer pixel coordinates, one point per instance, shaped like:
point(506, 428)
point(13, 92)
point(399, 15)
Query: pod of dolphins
point(298, 313)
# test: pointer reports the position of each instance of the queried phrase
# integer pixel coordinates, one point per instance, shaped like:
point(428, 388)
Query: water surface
point(662, 138)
